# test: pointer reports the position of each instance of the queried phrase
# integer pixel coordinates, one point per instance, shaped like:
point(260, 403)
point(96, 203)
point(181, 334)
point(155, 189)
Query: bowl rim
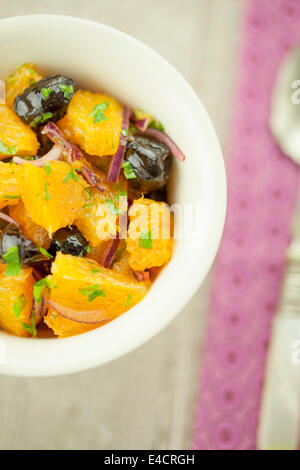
point(95, 358)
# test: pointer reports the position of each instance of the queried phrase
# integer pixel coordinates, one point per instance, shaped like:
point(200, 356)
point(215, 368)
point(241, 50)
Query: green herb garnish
point(118, 255)
point(146, 240)
point(46, 92)
point(67, 91)
point(33, 72)
point(47, 195)
point(12, 259)
point(19, 305)
point(71, 174)
point(128, 301)
point(95, 271)
point(7, 150)
point(46, 116)
point(45, 252)
point(32, 327)
point(92, 292)
point(88, 248)
point(39, 287)
point(157, 125)
point(111, 206)
point(41, 119)
point(122, 193)
point(47, 168)
point(8, 196)
point(98, 112)
point(128, 170)
point(124, 132)
point(88, 190)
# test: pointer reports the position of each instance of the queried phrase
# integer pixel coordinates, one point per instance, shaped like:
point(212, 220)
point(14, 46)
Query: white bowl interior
point(101, 58)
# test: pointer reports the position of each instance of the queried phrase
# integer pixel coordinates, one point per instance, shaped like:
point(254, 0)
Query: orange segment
point(149, 240)
point(120, 263)
point(52, 199)
point(16, 291)
point(30, 229)
point(9, 187)
point(19, 80)
point(84, 285)
point(63, 327)
point(95, 130)
point(98, 219)
point(16, 138)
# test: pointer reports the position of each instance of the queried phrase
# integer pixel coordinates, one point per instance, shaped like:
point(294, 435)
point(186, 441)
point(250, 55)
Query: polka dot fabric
point(262, 193)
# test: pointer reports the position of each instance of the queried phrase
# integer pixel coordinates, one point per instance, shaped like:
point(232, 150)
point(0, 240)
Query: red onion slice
point(84, 316)
point(110, 252)
point(53, 154)
point(141, 276)
point(2, 92)
point(117, 159)
point(40, 310)
point(165, 139)
point(8, 219)
point(73, 154)
point(141, 124)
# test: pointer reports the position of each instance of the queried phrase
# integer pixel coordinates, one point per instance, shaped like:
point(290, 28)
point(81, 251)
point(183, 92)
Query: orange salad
point(84, 222)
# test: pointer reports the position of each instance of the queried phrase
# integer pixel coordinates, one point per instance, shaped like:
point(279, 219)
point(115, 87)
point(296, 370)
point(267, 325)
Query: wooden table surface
point(146, 399)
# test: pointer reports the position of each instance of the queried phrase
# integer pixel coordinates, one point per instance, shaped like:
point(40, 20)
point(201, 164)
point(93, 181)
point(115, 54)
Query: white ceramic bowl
point(101, 58)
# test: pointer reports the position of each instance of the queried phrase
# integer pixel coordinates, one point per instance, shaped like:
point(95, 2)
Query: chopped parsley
point(19, 305)
point(132, 129)
point(98, 112)
point(41, 119)
point(46, 116)
point(88, 249)
point(47, 168)
point(71, 174)
point(89, 204)
point(101, 166)
point(7, 150)
point(95, 271)
point(92, 292)
point(30, 69)
point(39, 287)
point(32, 327)
point(157, 125)
point(12, 259)
point(67, 91)
point(118, 255)
point(88, 191)
point(46, 92)
point(124, 132)
point(45, 252)
point(9, 196)
point(146, 240)
point(111, 206)
point(128, 301)
point(47, 195)
point(128, 170)
point(122, 193)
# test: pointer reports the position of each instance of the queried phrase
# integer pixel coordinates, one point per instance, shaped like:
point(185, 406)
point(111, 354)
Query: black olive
point(151, 162)
point(46, 100)
point(29, 253)
point(69, 240)
point(159, 195)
